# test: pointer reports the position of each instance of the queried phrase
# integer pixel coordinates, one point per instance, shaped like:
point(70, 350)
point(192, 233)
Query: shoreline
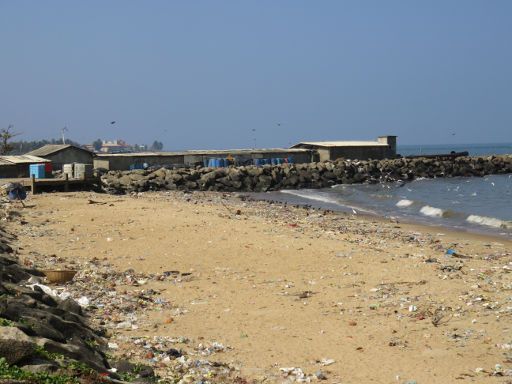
point(264, 287)
point(480, 231)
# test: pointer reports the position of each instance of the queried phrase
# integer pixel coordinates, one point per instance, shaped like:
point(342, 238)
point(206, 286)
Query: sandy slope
point(286, 287)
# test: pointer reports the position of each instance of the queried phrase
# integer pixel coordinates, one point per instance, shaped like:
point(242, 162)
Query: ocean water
point(479, 204)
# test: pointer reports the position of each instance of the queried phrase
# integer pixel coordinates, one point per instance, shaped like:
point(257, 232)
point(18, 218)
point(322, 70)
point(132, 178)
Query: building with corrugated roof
point(124, 161)
point(60, 154)
point(18, 166)
point(383, 148)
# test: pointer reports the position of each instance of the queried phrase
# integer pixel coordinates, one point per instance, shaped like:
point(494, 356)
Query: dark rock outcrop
point(35, 325)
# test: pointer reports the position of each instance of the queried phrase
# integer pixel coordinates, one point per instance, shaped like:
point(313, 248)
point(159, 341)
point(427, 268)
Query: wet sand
point(290, 287)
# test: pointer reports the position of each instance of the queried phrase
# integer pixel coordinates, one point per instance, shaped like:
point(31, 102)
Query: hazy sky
point(205, 74)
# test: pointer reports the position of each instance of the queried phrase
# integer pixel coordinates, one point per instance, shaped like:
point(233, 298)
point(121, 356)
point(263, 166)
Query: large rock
point(15, 346)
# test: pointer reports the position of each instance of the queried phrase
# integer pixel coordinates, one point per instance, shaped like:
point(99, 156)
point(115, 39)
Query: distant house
point(384, 147)
point(18, 166)
point(61, 154)
point(115, 146)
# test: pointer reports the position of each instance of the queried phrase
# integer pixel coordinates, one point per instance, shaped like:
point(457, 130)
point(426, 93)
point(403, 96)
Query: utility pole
point(65, 129)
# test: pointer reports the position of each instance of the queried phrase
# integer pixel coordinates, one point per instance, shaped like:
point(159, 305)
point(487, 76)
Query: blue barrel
point(290, 160)
point(222, 162)
point(205, 163)
point(37, 170)
point(211, 163)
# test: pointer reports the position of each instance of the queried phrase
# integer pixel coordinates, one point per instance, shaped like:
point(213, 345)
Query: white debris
point(326, 362)
point(44, 288)
point(83, 301)
point(124, 325)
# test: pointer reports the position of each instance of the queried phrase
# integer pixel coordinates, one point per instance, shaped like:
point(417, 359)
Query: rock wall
point(296, 176)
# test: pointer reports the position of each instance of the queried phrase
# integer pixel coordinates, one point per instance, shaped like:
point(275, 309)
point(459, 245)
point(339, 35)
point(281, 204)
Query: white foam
point(431, 211)
point(488, 221)
point(305, 194)
point(404, 203)
point(311, 196)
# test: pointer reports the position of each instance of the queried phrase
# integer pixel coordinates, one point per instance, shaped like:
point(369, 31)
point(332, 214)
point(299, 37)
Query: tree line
point(8, 146)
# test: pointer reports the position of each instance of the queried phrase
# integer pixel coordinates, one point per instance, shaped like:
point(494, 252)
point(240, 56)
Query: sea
point(475, 204)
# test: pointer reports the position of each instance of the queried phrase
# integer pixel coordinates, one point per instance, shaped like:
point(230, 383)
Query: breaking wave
point(311, 196)
point(427, 210)
point(488, 221)
point(404, 203)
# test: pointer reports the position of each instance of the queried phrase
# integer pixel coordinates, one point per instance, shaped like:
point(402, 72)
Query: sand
point(289, 287)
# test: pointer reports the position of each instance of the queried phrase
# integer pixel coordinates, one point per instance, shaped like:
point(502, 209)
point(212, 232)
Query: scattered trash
point(296, 374)
point(59, 276)
point(327, 362)
point(452, 253)
point(320, 375)
point(122, 301)
point(84, 301)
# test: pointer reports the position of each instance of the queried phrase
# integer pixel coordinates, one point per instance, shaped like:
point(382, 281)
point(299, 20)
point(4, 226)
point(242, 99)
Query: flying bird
point(112, 122)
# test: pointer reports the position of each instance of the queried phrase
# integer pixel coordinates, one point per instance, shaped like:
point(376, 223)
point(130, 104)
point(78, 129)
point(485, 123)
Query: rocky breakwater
point(296, 176)
point(43, 338)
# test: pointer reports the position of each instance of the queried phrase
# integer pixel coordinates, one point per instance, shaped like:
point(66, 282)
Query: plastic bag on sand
point(51, 292)
point(83, 301)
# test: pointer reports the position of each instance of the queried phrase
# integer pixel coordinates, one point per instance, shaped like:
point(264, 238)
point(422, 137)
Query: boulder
point(15, 346)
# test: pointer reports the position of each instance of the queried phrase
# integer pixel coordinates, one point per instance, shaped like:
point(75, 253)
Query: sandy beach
point(343, 298)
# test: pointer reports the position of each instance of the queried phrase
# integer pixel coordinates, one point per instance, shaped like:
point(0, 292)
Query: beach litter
point(122, 301)
point(326, 362)
point(452, 253)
